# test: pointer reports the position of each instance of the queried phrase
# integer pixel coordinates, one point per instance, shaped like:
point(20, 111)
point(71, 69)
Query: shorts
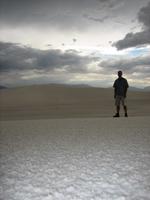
point(120, 99)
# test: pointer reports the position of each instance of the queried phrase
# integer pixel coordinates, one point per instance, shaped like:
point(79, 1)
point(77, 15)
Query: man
point(120, 91)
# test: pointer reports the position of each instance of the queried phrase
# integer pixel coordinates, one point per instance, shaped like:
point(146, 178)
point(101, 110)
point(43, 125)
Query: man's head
point(120, 74)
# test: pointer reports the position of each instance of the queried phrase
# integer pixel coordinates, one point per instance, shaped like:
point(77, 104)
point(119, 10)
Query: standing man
point(120, 91)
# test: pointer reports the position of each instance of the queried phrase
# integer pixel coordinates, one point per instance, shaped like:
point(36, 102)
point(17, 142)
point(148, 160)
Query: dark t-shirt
point(120, 86)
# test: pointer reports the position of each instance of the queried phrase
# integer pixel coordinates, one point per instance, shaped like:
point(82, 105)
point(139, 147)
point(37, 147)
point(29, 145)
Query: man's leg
point(125, 111)
point(117, 103)
point(125, 107)
point(118, 109)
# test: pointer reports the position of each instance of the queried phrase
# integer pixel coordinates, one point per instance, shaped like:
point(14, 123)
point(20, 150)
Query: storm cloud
point(18, 57)
point(63, 14)
point(138, 38)
point(71, 40)
point(46, 13)
point(129, 65)
point(25, 64)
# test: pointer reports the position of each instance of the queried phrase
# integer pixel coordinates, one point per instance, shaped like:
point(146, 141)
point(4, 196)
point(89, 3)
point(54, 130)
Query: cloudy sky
point(74, 41)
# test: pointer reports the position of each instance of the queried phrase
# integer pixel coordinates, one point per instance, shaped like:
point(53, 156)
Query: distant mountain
point(53, 85)
point(69, 85)
point(79, 85)
point(2, 87)
point(131, 88)
point(135, 89)
point(147, 89)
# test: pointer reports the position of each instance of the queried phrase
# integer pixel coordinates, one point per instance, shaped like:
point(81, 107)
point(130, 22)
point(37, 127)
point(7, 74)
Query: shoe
point(116, 115)
point(126, 115)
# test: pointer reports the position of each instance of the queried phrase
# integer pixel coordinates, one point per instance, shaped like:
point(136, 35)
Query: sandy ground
point(61, 143)
point(75, 159)
point(36, 102)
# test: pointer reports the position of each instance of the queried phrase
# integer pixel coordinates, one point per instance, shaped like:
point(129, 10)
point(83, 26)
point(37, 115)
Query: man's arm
point(115, 93)
point(114, 86)
point(126, 88)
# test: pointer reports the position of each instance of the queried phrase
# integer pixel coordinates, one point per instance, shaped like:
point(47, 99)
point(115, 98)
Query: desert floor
point(75, 159)
point(60, 143)
point(50, 101)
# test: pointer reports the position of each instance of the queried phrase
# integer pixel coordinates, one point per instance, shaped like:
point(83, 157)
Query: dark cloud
point(67, 21)
point(144, 16)
point(49, 45)
point(14, 56)
point(96, 19)
point(21, 65)
point(74, 40)
point(139, 38)
point(133, 40)
point(17, 57)
point(48, 13)
point(45, 13)
point(128, 65)
point(25, 65)
point(108, 2)
point(112, 4)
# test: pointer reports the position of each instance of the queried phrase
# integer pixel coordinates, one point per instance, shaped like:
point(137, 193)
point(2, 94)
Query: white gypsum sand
point(49, 101)
point(75, 159)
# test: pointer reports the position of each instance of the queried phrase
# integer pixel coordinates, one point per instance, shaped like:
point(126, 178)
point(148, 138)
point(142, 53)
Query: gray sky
point(68, 41)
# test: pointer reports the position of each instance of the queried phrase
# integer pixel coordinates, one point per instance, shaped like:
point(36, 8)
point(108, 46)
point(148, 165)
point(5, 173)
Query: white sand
point(73, 159)
point(46, 101)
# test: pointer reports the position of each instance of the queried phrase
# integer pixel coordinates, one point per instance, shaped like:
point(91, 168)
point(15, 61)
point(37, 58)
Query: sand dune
point(52, 101)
